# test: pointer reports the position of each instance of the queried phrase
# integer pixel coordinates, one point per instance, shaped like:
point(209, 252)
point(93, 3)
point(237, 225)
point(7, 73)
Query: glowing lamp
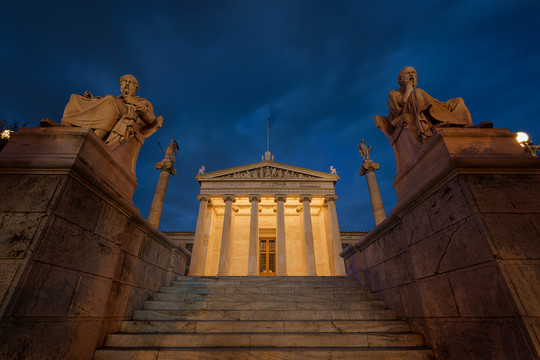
point(521, 137)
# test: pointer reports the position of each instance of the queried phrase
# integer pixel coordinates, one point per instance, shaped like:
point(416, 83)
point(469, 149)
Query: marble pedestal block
point(459, 256)
point(76, 258)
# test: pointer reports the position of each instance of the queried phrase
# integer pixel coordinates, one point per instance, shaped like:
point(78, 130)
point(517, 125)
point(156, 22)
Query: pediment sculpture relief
point(270, 172)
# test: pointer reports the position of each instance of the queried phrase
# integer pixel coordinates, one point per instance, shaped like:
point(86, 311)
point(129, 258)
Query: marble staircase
point(264, 318)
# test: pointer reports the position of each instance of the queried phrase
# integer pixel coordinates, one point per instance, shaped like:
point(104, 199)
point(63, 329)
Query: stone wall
point(76, 258)
point(460, 259)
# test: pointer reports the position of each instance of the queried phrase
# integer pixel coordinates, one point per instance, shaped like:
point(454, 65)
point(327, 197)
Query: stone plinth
point(459, 256)
point(75, 257)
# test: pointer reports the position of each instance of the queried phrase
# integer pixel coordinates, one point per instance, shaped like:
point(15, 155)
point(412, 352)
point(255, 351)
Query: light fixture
point(6, 133)
point(523, 140)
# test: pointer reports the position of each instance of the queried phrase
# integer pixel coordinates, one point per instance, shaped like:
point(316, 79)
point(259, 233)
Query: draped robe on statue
point(110, 114)
point(421, 112)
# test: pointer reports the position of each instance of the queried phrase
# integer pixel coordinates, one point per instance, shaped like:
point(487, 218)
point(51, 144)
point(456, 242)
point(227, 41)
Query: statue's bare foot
point(49, 123)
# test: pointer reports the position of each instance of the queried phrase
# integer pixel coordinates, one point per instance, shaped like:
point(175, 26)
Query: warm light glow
point(521, 137)
point(5, 134)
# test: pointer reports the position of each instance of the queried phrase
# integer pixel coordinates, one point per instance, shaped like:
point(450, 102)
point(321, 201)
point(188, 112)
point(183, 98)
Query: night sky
point(216, 70)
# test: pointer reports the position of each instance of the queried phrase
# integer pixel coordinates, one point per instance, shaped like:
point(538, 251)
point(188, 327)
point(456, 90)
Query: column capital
point(229, 197)
point(305, 197)
point(254, 198)
point(203, 197)
point(328, 198)
point(368, 165)
point(280, 197)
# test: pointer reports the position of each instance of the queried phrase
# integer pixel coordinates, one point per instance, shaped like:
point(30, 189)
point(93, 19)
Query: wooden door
point(267, 257)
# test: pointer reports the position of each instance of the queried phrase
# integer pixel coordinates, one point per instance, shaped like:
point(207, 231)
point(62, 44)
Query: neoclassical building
point(266, 219)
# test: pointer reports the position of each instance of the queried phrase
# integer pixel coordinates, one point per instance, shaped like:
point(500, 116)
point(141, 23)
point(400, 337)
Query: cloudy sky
point(216, 70)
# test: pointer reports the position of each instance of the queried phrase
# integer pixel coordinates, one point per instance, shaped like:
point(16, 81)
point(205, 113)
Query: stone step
point(340, 326)
point(264, 315)
point(259, 290)
point(245, 296)
point(267, 354)
point(274, 283)
point(263, 305)
point(298, 340)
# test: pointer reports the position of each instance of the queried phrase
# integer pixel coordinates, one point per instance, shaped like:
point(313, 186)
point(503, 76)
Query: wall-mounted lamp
point(523, 140)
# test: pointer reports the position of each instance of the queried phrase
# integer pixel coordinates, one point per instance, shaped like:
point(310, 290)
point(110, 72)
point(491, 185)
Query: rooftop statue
point(169, 157)
point(414, 115)
point(122, 122)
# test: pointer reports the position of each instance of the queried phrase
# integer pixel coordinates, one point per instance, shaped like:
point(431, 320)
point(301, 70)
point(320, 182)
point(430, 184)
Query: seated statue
point(122, 122)
point(413, 115)
point(114, 119)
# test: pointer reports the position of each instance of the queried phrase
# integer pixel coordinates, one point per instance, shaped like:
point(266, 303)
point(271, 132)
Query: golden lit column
point(196, 255)
point(280, 236)
point(339, 264)
point(205, 237)
point(225, 252)
point(308, 231)
point(253, 234)
point(166, 168)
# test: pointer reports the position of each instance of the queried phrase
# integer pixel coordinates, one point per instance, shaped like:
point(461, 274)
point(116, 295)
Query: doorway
point(267, 256)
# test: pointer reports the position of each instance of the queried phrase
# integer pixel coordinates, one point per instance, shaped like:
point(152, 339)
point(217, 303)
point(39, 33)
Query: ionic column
point(166, 168)
point(253, 234)
point(368, 169)
point(225, 251)
point(280, 236)
point(196, 255)
point(308, 231)
point(339, 264)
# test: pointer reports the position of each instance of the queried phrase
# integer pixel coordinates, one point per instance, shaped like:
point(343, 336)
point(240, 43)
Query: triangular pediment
point(267, 170)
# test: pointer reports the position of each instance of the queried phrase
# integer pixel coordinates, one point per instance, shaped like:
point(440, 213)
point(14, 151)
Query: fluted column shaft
point(225, 252)
point(196, 254)
point(308, 231)
point(253, 235)
point(339, 264)
point(281, 248)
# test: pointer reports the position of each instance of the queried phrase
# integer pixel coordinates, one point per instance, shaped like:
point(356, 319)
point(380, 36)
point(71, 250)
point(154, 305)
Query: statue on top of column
point(169, 158)
point(363, 149)
point(123, 121)
point(414, 115)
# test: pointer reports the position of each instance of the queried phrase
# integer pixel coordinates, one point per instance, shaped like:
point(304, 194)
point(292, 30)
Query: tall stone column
point(281, 248)
point(167, 168)
point(253, 234)
point(196, 266)
point(308, 237)
point(368, 169)
point(339, 265)
point(225, 252)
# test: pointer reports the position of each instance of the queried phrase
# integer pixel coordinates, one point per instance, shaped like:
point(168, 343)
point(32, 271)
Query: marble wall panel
point(437, 297)
point(412, 300)
point(17, 233)
point(132, 239)
point(48, 291)
point(524, 285)
point(8, 273)
point(79, 205)
point(480, 291)
point(90, 297)
point(68, 245)
point(504, 193)
point(112, 224)
point(448, 206)
point(74, 340)
point(417, 223)
point(396, 271)
point(514, 236)
point(39, 192)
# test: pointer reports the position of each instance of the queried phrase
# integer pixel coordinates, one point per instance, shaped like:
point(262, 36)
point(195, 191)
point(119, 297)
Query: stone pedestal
point(459, 255)
point(75, 257)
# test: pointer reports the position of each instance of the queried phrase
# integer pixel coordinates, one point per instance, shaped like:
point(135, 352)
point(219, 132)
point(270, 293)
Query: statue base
point(459, 256)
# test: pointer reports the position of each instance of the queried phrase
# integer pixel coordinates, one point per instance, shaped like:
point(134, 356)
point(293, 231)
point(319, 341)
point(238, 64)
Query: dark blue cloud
point(217, 69)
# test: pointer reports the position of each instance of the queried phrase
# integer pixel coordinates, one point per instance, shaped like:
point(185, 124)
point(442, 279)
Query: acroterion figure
point(167, 168)
point(368, 169)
